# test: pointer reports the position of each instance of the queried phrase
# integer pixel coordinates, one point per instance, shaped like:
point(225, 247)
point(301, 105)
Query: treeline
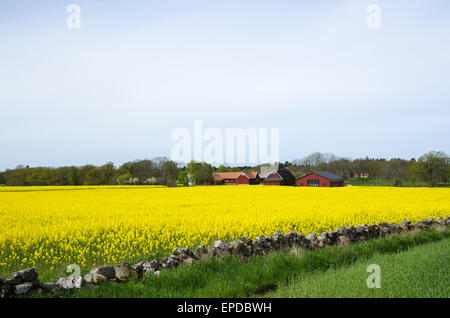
point(433, 168)
point(140, 172)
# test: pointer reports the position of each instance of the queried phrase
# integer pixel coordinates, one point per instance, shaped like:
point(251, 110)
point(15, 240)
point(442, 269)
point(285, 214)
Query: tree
point(415, 171)
point(125, 178)
point(222, 168)
point(61, 176)
point(202, 172)
point(18, 177)
point(41, 176)
point(2, 178)
point(143, 170)
point(74, 176)
point(95, 176)
point(183, 178)
point(84, 171)
point(436, 167)
point(169, 172)
point(109, 173)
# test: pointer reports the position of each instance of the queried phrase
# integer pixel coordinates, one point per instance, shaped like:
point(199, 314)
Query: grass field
point(52, 227)
point(389, 182)
point(422, 271)
point(412, 265)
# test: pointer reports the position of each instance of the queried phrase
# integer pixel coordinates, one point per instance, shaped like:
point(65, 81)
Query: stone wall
point(26, 281)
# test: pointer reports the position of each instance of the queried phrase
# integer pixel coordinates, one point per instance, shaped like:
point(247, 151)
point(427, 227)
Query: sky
point(116, 88)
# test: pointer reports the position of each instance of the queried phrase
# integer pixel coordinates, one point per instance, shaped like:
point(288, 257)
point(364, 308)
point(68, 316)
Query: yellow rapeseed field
point(51, 227)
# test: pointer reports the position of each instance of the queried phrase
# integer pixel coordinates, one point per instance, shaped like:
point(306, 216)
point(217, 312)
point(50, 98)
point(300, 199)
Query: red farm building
point(253, 178)
point(320, 179)
point(236, 177)
point(280, 177)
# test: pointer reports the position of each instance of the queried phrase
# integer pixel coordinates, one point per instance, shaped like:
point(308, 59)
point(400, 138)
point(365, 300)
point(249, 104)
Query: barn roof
point(265, 174)
point(329, 175)
point(226, 175)
point(274, 176)
point(252, 175)
point(283, 173)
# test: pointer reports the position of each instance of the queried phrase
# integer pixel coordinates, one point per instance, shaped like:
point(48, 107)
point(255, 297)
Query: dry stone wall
point(26, 281)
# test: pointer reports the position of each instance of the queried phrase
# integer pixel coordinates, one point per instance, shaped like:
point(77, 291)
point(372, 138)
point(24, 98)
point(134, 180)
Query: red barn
point(320, 179)
point(236, 177)
point(280, 177)
point(252, 178)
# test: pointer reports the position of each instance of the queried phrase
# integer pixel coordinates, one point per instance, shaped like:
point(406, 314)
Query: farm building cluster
point(279, 177)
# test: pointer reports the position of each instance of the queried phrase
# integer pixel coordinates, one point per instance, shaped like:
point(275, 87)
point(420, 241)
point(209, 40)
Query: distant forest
point(431, 169)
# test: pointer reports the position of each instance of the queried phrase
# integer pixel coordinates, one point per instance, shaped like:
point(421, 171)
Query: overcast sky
point(115, 89)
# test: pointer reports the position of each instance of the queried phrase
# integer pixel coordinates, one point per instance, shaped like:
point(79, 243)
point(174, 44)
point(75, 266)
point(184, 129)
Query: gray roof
point(285, 174)
point(329, 175)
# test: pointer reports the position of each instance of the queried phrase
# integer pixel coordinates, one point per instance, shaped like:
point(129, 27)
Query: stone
point(263, 244)
point(183, 252)
point(171, 261)
point(312, 237)
point(355, 233)
point(167, 262)
point(221, 244)
point(95, 278)
point(406, 222)
point(69, 283)
point(297, 240)
point(328, 238)
point(23, 288)
point(315, 245)
point(177, 259)
point(51, 287)
point(105, 270)
point(394, 228)
point(341, 230)
point(23, 276)
point(145, 267)
point(154, 265)
point(313, 242)
point(239, 249)
point(424, 224)
point(343, 240)
point(247, 241)
point(384, 231)
point(280, 242)
point(219, 248)
point(430, 221)
point(189, 260)
point(124, 271)
point(5, 290)
point(201, 251)
point(405, 225)
point(362, 232)
point(373, 231)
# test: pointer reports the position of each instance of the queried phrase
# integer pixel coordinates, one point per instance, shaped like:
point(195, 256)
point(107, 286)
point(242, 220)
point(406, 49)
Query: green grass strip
point(256, 276)
point(422, 271)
